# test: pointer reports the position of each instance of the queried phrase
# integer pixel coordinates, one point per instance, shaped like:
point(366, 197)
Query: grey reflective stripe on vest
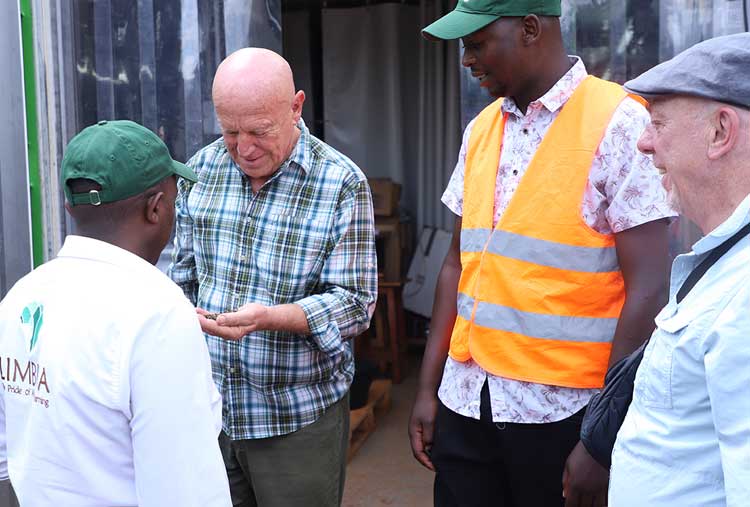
point(465, 305)
point(538, 325)
point(473, 240)
point(540, 251)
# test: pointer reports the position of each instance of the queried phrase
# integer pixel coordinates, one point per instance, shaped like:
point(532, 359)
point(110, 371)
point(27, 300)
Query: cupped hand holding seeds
point(233, 325)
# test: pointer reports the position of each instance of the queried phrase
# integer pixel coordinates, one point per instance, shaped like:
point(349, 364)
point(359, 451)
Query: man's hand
point(584, 480)
point(421, 425)
point(234, 325)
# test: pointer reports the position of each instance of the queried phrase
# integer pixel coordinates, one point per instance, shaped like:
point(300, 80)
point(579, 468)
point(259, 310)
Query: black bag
point(606, 410)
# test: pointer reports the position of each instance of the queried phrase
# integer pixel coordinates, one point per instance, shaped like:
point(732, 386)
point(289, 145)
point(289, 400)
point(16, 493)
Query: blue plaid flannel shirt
point(307, 237)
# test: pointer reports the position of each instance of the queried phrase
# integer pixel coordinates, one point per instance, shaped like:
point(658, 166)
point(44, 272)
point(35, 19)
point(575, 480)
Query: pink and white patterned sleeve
point(453, 197)
point(627, 178)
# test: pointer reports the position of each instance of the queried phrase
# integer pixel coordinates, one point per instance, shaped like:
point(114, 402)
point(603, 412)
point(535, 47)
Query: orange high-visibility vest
point(540, 293)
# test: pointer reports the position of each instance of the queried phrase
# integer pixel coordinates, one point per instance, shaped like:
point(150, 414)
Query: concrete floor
point(384, 472)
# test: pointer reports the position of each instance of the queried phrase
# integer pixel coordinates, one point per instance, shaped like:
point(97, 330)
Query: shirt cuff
point(323, 328)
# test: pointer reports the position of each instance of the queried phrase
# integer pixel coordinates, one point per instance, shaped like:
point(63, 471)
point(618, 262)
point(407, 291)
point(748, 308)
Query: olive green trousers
point(302, 469)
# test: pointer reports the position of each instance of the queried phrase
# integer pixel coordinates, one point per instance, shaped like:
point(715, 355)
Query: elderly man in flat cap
point(686, 437)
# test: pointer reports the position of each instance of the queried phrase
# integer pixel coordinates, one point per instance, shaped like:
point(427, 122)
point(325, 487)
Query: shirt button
point(525, 131)
point(232, 370)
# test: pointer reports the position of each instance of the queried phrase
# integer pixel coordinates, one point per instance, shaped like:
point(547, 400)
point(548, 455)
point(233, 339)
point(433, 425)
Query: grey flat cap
point(717, 69)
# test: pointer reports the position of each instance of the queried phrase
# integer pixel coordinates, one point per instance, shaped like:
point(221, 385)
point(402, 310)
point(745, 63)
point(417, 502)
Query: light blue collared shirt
point(686, 438)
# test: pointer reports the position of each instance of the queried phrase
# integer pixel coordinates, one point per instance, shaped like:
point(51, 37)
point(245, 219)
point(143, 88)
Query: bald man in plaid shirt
point(277, 238)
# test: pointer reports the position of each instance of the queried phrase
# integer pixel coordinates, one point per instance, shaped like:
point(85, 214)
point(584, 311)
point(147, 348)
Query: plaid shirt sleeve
point(182, 270)
point(348, 281)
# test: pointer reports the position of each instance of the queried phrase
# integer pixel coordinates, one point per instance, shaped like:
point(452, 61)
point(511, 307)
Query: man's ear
point(297, 103)
point(154, 208)
point(531, 27)
point(724, 133)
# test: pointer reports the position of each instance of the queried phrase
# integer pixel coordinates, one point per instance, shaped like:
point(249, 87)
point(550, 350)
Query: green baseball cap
point(123, 157)
point(472, 15)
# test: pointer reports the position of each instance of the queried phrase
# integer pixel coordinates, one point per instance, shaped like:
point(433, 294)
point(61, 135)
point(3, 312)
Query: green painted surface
point(35, 186)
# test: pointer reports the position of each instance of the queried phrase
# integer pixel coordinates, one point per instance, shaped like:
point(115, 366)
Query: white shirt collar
point(739, 217)
point(81, 247)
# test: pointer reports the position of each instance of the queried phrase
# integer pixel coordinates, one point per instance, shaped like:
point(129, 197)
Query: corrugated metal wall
point(15, 225)
point(151, 61)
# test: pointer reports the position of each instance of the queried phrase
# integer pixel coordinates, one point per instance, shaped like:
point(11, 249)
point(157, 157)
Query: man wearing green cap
point(557, 267)
point(107, 396)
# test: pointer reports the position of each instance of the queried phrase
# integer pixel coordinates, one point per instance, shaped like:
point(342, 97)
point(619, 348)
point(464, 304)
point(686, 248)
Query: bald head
point(258, 110)
point(253, 76)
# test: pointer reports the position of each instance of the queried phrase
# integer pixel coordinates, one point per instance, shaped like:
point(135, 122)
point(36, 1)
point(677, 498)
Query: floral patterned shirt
point(623, 191)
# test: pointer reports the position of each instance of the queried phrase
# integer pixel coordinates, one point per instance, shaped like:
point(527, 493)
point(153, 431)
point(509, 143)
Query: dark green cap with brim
point(472, 15)
point(123, 157)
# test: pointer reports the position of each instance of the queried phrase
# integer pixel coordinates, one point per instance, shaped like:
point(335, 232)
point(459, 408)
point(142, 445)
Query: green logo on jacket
point(33, 314)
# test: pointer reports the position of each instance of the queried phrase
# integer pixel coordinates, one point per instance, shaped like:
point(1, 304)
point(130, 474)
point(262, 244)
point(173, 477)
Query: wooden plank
point(380, 397)
point(363, 421)
point(357, 417)
point(358, 436)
